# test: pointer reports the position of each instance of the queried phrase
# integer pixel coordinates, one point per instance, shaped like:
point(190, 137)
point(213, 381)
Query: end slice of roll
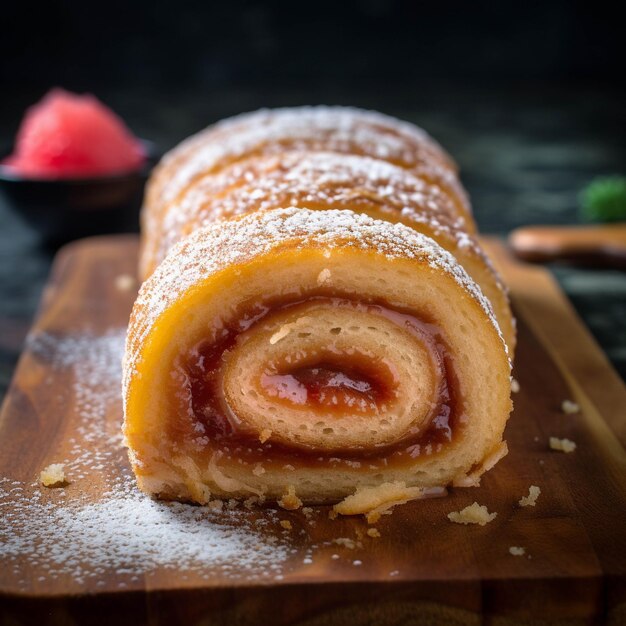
point(311, 353)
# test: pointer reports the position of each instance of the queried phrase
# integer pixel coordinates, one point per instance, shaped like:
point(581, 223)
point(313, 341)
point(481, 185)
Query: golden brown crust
point(315, 180)
point(341, 130)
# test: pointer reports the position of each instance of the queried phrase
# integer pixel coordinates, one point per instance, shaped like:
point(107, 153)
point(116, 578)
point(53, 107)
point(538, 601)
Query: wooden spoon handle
point(600, 245)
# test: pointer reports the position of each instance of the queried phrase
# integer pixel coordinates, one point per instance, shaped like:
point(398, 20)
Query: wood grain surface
point(446, 573)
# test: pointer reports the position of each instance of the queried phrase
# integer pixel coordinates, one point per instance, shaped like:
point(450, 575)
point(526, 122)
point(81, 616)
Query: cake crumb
point(264, 435)
point(286, 524)
point(376, 501)
point(216, 505)
point(373, 532)
point(53, 475)
point(517, 551)
point(563, 445)
point(323, 277)
point(531, 498)
point(258, 469)
point(346, 542)
point(473, 514)
point(290, 500)
point(515, 385)
point(124, 282)
point(308, 511)
point(374, 516)
point(569, 407)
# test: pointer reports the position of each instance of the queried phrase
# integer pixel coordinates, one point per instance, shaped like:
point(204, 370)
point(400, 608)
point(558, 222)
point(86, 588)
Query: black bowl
point(69, 208)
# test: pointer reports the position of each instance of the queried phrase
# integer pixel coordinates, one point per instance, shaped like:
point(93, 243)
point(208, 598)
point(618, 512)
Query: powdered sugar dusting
point(130, 535)
point(321, 116)
point(100, 525)
point(323, 179)
point(95, 361)
point(314, 174)
point(338, 129)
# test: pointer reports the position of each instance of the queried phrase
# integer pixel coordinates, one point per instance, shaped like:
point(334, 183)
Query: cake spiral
point(316, 318)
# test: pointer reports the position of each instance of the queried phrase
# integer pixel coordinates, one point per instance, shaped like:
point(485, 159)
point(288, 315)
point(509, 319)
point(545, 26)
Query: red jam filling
point(354, 383)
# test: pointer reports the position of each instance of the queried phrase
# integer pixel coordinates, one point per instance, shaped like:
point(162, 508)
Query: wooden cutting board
point(423, 569)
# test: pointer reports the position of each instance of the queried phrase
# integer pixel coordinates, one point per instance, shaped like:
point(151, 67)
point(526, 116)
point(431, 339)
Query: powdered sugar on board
point(96, 365)
point(100, 526)
point(129, 535)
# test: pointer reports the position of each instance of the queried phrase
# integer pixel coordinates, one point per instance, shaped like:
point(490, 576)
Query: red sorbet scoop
point(72, 136)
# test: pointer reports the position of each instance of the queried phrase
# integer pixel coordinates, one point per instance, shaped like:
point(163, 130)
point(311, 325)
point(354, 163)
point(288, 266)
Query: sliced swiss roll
point(326, 180)
point(342, 130)
point(298, 355)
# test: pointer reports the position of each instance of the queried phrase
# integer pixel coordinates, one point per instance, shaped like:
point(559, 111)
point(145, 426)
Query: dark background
point(528, 97)
point(148, 44)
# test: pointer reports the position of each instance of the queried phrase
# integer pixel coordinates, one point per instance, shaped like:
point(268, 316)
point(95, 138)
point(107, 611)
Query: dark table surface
point(524, 154)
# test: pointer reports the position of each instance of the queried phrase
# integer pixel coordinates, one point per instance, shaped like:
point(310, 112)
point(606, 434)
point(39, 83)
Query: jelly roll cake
point(318, 321)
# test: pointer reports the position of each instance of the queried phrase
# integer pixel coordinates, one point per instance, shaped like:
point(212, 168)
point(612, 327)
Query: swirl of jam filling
point(278, 385)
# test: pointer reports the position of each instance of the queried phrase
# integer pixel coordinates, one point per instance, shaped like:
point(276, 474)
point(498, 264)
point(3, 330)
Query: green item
point(604, 199)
